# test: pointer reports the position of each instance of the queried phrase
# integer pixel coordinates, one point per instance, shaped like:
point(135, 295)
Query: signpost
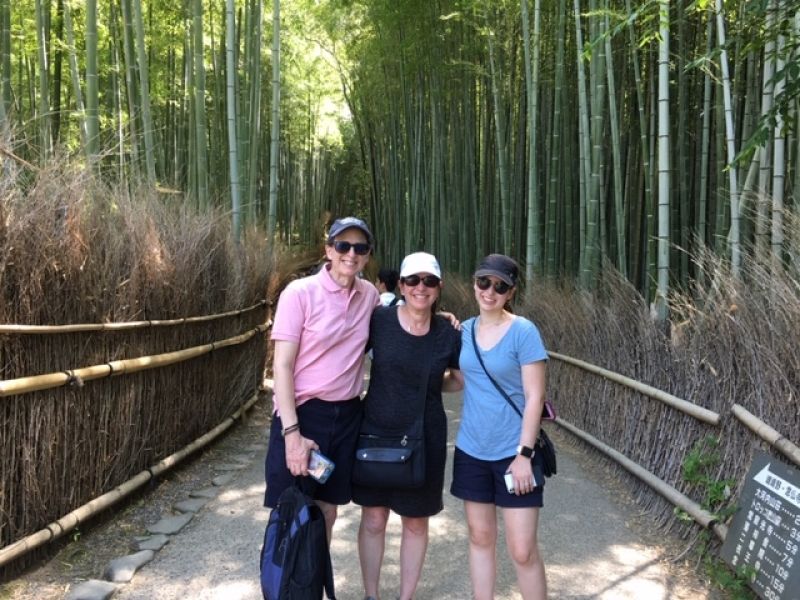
point(764, 537)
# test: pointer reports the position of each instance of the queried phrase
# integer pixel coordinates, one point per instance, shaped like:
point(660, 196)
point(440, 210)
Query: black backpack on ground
point(295, 559)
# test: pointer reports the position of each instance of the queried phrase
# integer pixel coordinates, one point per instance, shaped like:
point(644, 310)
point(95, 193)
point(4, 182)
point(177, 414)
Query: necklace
point(409, 324)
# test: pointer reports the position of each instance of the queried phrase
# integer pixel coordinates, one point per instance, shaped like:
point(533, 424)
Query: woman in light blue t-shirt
point(493, 441)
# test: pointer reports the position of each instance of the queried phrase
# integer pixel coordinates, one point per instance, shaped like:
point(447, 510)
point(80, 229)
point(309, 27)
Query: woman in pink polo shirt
point(320, 330)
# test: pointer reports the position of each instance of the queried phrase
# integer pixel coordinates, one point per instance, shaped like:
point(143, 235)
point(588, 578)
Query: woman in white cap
point(413, 349)
point(494, 463)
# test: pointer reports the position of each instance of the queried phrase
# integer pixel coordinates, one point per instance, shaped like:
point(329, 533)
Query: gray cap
point(340, 225)
point(501, 266)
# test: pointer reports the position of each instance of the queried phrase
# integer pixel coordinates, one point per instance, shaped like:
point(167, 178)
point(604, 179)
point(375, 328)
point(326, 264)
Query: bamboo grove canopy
point(564, 133)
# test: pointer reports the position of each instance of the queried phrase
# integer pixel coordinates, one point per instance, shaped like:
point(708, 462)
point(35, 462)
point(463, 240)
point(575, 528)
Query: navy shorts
point(334, 427)
point(479, 480)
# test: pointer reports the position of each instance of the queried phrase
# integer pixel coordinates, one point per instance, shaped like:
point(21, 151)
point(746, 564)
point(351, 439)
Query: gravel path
point(592, 546)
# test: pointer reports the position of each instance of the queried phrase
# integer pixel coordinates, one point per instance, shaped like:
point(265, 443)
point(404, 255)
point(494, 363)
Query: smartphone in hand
point(320, 467)
point(509, 479)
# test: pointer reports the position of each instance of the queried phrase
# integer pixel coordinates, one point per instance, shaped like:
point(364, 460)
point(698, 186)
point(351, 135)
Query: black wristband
point(290, 429)
point(525, 451)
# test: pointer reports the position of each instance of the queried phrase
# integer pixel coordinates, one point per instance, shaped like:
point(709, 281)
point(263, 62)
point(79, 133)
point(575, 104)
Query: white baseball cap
point(420, 262)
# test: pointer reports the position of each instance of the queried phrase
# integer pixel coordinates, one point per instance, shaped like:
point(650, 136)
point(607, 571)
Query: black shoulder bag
point(543, 443)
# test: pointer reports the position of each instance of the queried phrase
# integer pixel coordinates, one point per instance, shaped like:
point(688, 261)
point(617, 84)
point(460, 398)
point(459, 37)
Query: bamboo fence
point(726, 379)
point(702, 516)
point(87, 436)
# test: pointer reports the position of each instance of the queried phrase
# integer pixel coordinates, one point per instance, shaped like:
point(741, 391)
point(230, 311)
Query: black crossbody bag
point(390, 459)
point(543, 443)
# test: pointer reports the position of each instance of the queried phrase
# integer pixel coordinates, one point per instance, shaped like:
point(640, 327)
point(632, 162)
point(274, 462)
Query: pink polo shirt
point(330, 324)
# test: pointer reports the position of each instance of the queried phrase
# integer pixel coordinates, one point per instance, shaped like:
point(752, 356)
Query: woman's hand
point(452, 318)
point(297, 452)
point(521, 469)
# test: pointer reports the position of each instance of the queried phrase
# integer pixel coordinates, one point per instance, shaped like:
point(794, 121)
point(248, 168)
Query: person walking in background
point(413, 347)
point(493, 440)
point(320, 330)
point(387, 284)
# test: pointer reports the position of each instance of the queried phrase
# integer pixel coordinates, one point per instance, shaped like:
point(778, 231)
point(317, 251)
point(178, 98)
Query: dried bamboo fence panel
point(62, 446)
point(83, 513)
point(719, 354)
point(697, 512)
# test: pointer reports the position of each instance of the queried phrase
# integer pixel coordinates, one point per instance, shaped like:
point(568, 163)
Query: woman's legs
point(482, 522)
point(521, 530)
point(371, 541)
point(413, 547)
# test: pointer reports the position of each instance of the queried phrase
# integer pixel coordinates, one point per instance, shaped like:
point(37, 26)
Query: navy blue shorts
point(334, 427)
point(479, 480)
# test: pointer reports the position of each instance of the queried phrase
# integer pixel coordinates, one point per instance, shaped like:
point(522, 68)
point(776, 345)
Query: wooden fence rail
point(698, 412)
point(34, 383)
point(124, 325)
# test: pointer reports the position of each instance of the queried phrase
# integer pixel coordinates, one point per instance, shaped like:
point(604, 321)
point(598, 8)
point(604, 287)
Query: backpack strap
point(329, 578)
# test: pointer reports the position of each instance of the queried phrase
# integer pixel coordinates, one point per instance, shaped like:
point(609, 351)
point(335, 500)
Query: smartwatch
point(525, 451)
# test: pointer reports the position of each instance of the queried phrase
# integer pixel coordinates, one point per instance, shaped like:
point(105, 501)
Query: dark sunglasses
point(344, 248)
point(430, 281)
point(484, 283)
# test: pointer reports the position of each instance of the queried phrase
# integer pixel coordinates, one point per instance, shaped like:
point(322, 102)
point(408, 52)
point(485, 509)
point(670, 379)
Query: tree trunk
point(663, 162)
point(274, 128)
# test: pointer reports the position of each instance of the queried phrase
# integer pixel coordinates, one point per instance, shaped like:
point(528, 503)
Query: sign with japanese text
point(764, 537)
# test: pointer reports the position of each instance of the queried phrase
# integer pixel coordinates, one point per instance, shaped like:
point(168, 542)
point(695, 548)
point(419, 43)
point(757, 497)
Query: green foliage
point(698, 469)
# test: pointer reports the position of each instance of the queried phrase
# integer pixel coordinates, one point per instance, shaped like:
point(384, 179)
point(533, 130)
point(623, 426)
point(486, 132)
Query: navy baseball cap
point(501, 266)
point(340, 225)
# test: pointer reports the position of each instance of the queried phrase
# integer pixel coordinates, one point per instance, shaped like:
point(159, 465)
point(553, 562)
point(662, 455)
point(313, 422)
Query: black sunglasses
point(430, 281)
point(484, 283)
point(344, 247)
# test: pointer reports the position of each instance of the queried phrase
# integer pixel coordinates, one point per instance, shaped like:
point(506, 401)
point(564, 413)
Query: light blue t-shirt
point(490, 428)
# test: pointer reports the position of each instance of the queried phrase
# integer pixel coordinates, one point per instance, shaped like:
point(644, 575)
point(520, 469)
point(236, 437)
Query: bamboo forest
point(573, 136)
point(167, 167)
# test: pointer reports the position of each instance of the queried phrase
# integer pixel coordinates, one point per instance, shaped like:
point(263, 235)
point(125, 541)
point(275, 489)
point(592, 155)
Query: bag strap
point(427, 357)
point(489, 375)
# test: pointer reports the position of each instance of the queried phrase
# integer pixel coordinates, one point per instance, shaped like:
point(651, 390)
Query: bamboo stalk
point(123, 326)
point(698, 412)
point(767, 433)
point(68, 522)
point(34, 383)
point(697, 512)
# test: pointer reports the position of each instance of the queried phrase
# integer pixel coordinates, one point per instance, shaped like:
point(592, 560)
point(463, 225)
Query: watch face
point(525, 451)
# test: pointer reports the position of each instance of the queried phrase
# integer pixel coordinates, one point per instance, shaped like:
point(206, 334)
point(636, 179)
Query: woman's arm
point(297, 447)
point(453, 381)
point(533, 385)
